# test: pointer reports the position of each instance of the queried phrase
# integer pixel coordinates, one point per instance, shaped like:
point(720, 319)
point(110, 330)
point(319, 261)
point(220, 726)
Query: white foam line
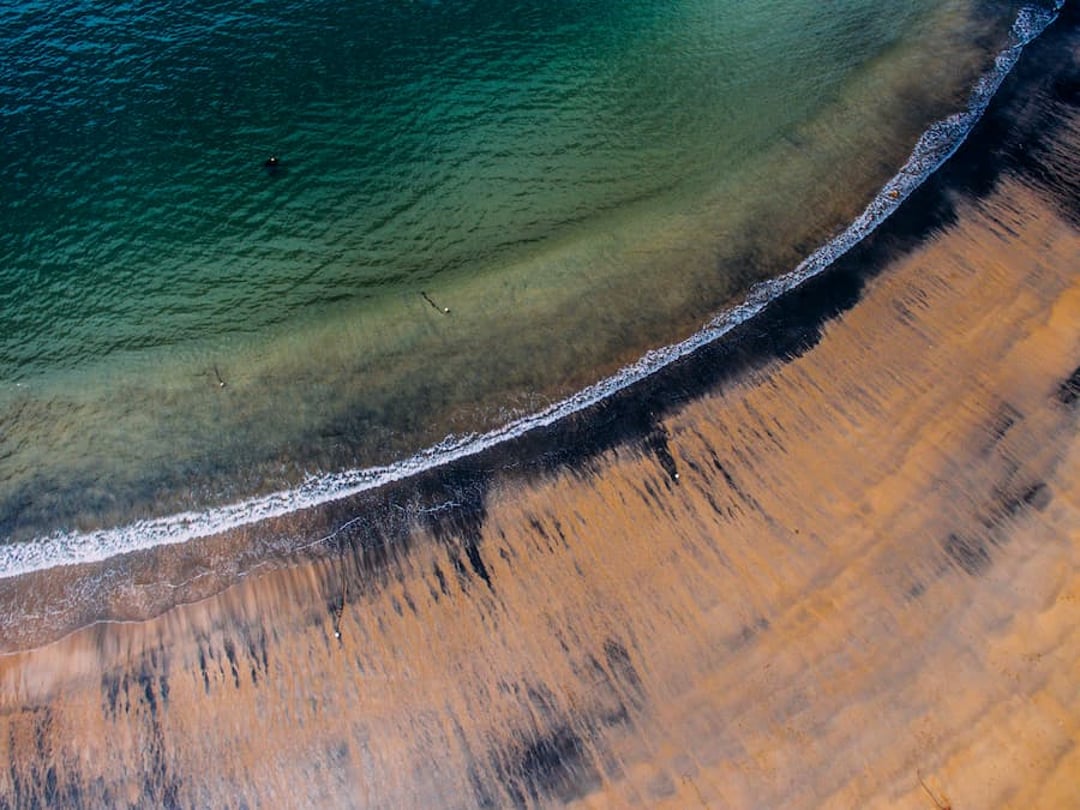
point(936, 145)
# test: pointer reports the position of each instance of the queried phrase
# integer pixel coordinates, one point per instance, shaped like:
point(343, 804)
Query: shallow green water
point(577, 182)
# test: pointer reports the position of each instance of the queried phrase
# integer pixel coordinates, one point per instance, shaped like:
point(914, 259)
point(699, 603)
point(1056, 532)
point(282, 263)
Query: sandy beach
point(831, 562)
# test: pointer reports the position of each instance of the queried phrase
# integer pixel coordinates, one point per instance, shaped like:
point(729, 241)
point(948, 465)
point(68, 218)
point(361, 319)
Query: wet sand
point(833, 562)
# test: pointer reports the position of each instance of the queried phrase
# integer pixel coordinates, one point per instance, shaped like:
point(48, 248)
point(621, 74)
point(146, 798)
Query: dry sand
point(849, 578)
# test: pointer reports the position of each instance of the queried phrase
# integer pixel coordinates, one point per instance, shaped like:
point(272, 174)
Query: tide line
point(934, 148)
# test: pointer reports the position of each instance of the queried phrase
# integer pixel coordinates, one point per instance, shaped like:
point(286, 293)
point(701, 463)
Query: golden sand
point(858, 586)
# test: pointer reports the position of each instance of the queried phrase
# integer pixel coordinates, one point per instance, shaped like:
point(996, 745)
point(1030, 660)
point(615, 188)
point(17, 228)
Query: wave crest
point(937, 145)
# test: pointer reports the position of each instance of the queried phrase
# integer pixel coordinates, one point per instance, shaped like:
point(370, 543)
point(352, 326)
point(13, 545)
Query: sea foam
point(936, 145)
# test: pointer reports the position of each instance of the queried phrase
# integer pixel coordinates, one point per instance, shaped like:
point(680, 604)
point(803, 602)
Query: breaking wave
point(935, 146)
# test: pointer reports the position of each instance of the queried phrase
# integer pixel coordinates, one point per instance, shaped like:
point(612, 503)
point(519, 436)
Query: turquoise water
point(415, 139)
point(577, 182)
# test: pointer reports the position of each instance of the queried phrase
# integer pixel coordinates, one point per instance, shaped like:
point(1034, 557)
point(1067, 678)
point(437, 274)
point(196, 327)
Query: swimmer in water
point(272, 163)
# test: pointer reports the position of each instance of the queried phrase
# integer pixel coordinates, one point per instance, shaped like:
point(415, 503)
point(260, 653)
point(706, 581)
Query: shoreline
point(264, 434)
point(933, 150)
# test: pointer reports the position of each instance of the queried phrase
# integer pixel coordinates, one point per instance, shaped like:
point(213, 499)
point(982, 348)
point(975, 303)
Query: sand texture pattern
point(845, 576)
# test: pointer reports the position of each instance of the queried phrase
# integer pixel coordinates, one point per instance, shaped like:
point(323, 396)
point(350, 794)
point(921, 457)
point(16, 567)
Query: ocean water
point(577, 183)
